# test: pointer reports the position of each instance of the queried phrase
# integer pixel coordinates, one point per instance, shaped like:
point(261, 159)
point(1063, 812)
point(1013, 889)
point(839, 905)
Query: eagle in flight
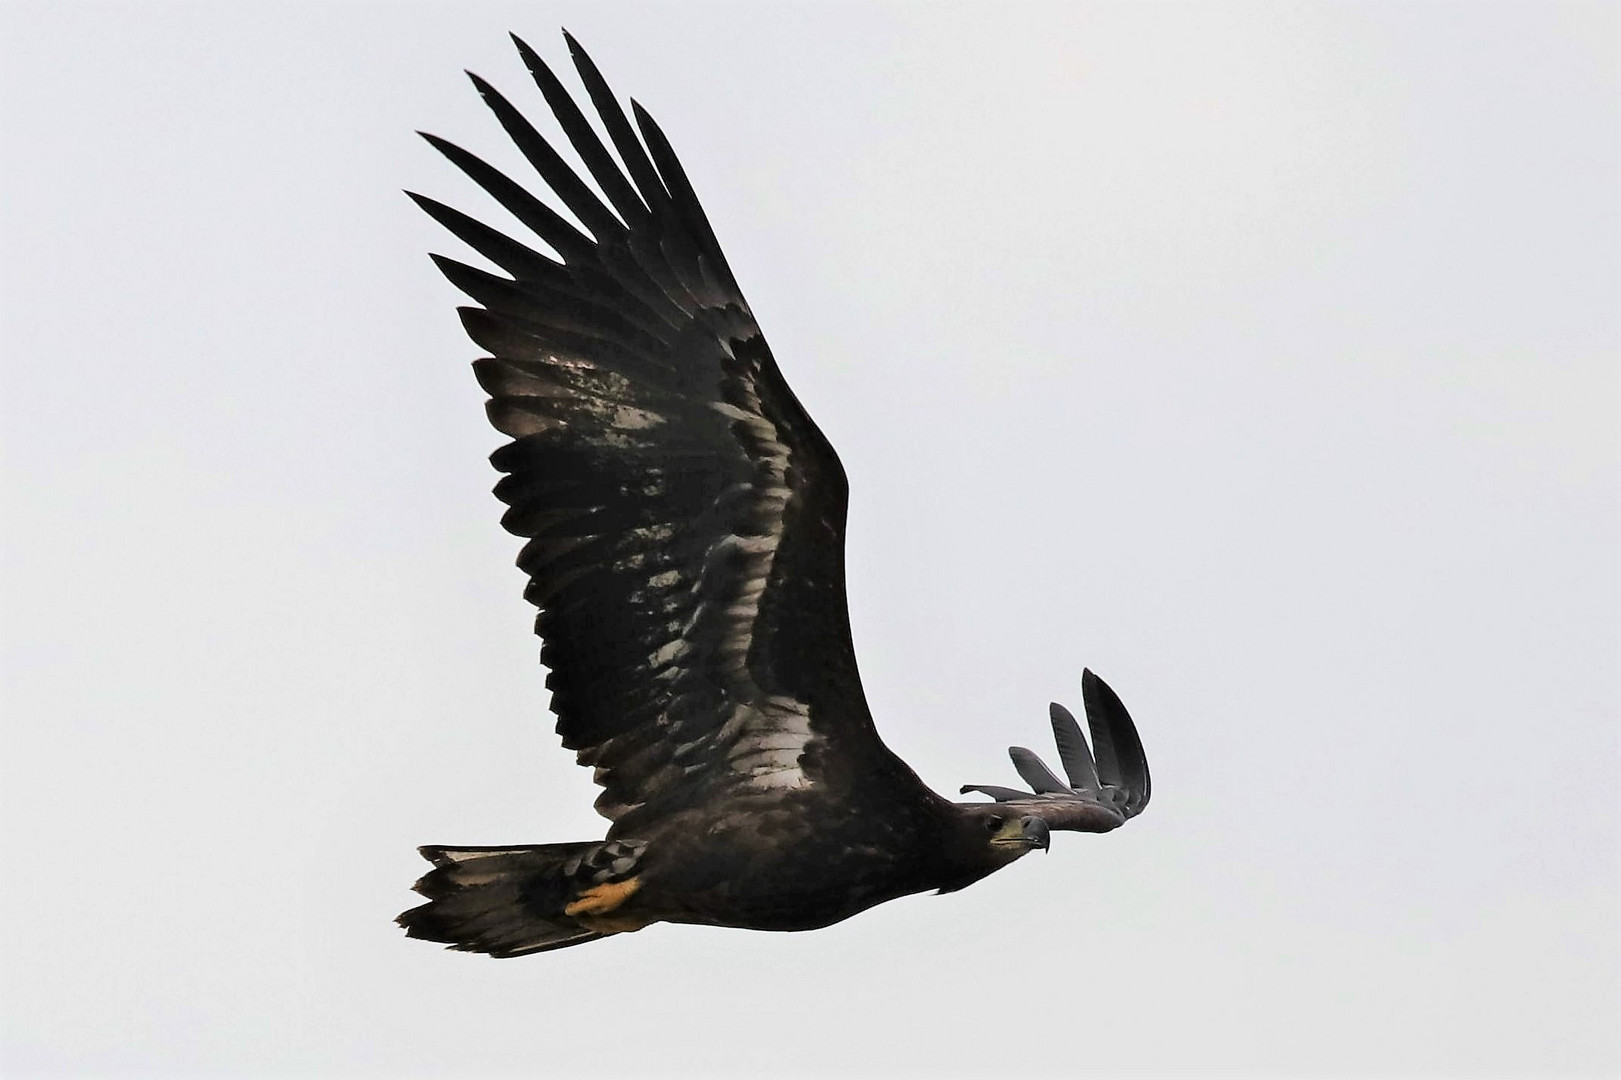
point(684, 520)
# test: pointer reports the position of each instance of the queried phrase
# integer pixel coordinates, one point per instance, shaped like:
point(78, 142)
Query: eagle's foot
point(604, 898)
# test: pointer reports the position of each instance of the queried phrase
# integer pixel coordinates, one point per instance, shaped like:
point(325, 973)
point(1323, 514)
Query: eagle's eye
point(992, 824)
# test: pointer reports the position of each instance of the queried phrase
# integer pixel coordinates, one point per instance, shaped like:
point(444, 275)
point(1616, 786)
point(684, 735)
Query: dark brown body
point(788, 864)
point(778, 865)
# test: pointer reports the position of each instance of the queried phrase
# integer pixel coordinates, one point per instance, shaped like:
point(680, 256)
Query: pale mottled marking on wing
point(763, 736)
point(774, 731)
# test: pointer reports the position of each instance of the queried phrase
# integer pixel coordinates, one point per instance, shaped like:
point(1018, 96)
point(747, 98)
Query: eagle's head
point(984, 838)
point(1007, 835)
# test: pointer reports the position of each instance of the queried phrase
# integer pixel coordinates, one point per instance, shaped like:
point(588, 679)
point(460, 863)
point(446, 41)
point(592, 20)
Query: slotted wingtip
point(1073, 753)
point(526, 52)
point(1117, 746)
point(437, 142)
point(575, 49)
point(996, 791)
point(1034, 771)
point(1108, 781)
point(445, 147)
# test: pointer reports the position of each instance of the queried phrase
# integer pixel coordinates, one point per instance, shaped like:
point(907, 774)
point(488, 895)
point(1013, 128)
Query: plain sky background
point(1261, 357)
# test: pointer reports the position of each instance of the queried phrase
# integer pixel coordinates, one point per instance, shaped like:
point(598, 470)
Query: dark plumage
point(685, 528)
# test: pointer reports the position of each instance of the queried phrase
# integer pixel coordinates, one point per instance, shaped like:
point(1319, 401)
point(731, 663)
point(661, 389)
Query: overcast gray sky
point(1262, 358)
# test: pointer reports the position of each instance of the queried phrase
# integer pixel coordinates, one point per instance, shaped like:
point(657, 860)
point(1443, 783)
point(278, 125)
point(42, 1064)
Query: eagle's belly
point(773, 871)
point(784, 897)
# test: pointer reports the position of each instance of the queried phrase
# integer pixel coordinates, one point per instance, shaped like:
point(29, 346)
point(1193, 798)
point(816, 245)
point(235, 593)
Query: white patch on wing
point(770, 737)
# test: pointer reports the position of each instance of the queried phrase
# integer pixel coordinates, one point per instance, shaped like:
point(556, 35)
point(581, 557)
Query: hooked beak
point(1036, 833)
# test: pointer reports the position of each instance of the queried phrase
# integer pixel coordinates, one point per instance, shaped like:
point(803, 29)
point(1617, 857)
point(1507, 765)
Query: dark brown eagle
point(685, 526)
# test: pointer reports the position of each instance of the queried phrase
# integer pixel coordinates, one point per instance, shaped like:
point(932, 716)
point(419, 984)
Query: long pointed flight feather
point(681, 193)
point(562, 179)
point(1098, 720)
point(511, 256)
point(604, 170)
point(1000, 794)
point(546, 223)
point(1072, 749)
point(1035, 772)
point(1114, 737)
point(619, 130)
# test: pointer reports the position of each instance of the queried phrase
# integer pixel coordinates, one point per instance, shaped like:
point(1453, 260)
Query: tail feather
point(501, 901)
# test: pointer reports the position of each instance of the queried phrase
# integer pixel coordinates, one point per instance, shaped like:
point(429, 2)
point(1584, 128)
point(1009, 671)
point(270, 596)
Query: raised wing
point(1107, 785)
point(685, 517)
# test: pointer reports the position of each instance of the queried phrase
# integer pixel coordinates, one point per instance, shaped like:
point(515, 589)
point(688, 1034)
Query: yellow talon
point(601, 899)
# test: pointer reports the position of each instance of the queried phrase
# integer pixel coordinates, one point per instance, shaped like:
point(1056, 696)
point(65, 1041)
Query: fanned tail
point(504, 901)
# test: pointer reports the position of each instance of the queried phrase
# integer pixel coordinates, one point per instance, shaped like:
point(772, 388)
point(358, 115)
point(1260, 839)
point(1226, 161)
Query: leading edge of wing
point(684, 516)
